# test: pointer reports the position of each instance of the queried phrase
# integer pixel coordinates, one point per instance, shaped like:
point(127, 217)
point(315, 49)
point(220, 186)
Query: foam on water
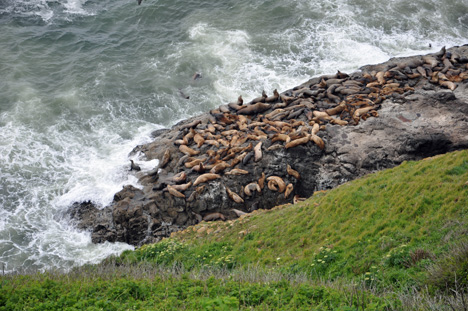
point(45, 169)
point(85, 90)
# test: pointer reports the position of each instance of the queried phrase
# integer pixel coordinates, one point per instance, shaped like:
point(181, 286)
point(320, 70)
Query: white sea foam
point(74, 143)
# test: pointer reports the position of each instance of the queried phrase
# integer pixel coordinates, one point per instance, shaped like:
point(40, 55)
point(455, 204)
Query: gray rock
point(418, 119)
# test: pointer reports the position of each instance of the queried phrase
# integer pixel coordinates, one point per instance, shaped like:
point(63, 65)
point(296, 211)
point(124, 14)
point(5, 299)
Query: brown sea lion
point(214, 216)
point(252, 187)
point(289, 189)
point(174, 192)
point(276, 183)
point(188, 151)
point(165, 159)
point(261, 181)
point(297, 142)
point(318, 141)
point(218, 168)
point(182, 187)
point(293, 172)
point(273, 98)
point(206, 177)
point(258, 152)
point(234, 196)
point(298, 199)
point(237, 171)
point(192, 124)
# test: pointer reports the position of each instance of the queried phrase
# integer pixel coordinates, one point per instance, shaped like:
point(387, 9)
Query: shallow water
point(83, 82)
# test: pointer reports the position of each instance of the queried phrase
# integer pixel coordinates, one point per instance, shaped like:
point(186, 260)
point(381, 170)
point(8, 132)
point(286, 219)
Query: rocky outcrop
point(273, 150)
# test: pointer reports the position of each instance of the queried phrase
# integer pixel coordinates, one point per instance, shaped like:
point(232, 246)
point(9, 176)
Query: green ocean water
point(83, 82)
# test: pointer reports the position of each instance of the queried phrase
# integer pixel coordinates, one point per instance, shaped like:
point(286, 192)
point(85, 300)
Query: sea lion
point(198, 139)
point(234, 196)
point(165, 159)
point(237, 171)
point(134, 167)
point(199, 168)
point(261, 181)
point(194, 162)
point(206, 177)
point(197, 216)
point(212, 142)
point(380, 77)
point(448, 84)
point(197, 75)
point(184, 96)
point(188, 151)
point(315, 129)
point(297, 142)
point(247, 158)
point(359, 112)
point(239, 102)
point(293, 172)
point(338, 121)
point(281, 137)
point(182, 187)
point(275, 147)
point(276, 183)
point(214, 216)
point(174, 192)
point(192, 124)
point(321, 115)
point(252, 187)
point(218, 168)
point(254, 108)
point(238, 212)
point(182, 176)
point(289, 189)
point(298, 199)
point(273, 98)
point(196, 193)
point(258, 152)
point(259, 99)
point(139, 1)
point(318, 141)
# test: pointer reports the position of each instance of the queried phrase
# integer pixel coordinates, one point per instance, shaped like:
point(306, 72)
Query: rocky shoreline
point(281, 148)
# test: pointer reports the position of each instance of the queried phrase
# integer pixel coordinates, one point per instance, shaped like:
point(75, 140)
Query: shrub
point(451, 271)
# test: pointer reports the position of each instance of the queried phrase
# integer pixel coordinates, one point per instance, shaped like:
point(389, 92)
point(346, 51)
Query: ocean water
point(82, 82)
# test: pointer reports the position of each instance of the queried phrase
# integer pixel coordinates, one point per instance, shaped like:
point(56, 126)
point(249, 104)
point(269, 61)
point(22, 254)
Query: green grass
point(378, 221)
point(371, 244)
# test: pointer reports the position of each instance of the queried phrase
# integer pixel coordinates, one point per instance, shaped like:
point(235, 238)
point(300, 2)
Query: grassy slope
point(378, 221)
point(381, 232)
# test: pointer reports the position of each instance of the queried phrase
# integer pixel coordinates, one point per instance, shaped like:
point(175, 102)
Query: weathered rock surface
point(404, 109)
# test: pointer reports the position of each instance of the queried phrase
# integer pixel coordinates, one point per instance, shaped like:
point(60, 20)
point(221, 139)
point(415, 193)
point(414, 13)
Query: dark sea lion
point(197, 75)
point(134, 167)
point(139, 1)
point(260, 99)
point(254, 109)
point(185, 96)
point(273, 98)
